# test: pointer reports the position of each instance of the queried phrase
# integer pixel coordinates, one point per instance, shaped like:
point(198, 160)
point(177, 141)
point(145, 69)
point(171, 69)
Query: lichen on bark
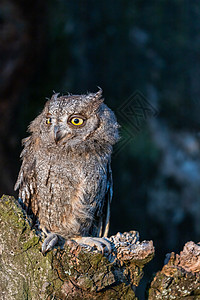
point(180, 276)
point(24, 271)
point(69, 272)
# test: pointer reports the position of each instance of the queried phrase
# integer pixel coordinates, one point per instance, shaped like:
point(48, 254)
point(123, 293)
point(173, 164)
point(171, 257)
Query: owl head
point(76, 121)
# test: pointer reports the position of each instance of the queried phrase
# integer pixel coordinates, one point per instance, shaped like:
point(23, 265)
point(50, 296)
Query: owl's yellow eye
point(48, 121)
point(77, 120)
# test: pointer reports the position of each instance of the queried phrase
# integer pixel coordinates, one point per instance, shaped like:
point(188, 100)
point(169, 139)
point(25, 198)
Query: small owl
point(66, 178)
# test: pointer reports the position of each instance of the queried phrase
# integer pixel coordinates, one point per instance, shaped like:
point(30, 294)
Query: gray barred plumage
point(65, 177)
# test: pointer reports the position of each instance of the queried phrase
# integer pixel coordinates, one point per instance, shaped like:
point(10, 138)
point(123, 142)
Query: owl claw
point(50, 241)
point(97, 242)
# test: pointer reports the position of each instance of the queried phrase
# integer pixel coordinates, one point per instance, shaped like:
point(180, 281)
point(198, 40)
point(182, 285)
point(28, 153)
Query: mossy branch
point(72, 272)
point(180, 276)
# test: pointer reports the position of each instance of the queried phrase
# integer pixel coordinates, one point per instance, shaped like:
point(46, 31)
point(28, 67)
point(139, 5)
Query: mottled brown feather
point(68, 184)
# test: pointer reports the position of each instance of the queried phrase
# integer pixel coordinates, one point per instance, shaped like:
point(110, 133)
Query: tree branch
point(180, 276)
point(69, 272)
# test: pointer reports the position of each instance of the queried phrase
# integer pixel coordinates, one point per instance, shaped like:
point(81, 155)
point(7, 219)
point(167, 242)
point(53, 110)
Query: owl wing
point(26, 178)
point(104, 221)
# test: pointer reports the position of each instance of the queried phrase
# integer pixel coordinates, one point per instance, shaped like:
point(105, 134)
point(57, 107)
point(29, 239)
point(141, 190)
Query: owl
point(65, 178)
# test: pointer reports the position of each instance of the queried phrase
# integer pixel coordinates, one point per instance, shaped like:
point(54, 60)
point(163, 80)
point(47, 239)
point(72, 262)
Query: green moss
point(31, 243)
point(11, 212)
point(96, 260)
point(35, 276)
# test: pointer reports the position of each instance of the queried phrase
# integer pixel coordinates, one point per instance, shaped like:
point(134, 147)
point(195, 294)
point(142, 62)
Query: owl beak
point(58, 135)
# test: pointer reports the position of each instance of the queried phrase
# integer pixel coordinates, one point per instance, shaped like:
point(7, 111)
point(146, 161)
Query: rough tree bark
point(70, 271)
point(180, 276)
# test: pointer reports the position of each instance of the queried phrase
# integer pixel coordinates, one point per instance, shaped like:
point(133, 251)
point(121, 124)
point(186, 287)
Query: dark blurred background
point(122, 46)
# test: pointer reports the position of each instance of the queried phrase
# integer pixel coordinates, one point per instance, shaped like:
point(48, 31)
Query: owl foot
point(97, 242)
point(50, 241)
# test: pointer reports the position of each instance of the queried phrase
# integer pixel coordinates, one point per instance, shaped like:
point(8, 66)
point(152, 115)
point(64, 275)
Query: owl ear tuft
point(55, 96)
point(98, 95)
point(95, 96)
point(95, 99)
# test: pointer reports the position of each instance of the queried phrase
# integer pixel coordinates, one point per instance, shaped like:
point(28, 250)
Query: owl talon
point(50, 241)
point(97, 242)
